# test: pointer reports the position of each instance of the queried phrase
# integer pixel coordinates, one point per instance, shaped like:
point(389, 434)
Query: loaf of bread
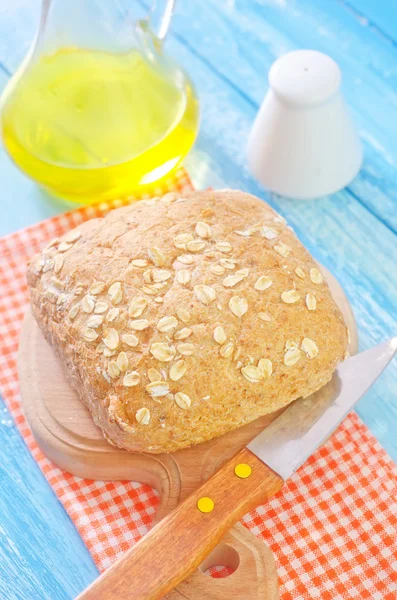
point(179, 319)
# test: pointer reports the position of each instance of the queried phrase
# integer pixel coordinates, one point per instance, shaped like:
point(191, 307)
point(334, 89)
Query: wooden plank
point(379, 14)
point(42, 555)
point(19, 20)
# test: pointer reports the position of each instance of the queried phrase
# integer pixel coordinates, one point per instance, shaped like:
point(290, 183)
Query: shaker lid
point(305, 78)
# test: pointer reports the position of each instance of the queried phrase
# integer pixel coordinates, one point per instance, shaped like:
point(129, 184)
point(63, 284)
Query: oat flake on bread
point(233, 321)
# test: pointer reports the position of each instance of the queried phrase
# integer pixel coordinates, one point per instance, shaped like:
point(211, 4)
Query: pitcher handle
point(160, 17)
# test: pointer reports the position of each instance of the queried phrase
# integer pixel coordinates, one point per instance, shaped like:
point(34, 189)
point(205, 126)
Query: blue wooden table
point(228, 46)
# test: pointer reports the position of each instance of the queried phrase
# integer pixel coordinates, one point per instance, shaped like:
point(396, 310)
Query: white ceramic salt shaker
point(303, 143)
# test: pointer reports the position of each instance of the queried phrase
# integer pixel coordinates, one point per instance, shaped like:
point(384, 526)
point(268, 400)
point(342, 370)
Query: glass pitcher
point(97, 110)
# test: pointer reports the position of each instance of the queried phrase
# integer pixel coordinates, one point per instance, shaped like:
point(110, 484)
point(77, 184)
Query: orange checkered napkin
point(333, 528)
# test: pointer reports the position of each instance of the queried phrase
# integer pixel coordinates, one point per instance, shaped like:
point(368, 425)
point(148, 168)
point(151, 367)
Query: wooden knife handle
point(181, 541)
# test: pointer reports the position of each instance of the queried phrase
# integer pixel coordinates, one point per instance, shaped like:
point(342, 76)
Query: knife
point(180, 542)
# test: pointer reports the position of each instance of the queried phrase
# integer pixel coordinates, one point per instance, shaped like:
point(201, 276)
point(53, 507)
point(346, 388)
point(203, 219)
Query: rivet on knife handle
point(205, 505)
point(242, 470)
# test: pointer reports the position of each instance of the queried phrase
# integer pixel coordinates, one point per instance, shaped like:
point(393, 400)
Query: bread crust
point(168, 352)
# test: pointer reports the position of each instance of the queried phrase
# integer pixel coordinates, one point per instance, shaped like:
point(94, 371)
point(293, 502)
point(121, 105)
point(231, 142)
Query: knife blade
point(179, 543)
point(288, 442)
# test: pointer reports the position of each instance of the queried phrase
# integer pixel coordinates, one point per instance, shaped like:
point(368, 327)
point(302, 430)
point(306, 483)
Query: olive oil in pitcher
point(92, 125)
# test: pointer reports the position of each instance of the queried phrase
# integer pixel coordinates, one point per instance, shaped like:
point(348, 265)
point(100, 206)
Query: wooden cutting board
point(64, 430)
